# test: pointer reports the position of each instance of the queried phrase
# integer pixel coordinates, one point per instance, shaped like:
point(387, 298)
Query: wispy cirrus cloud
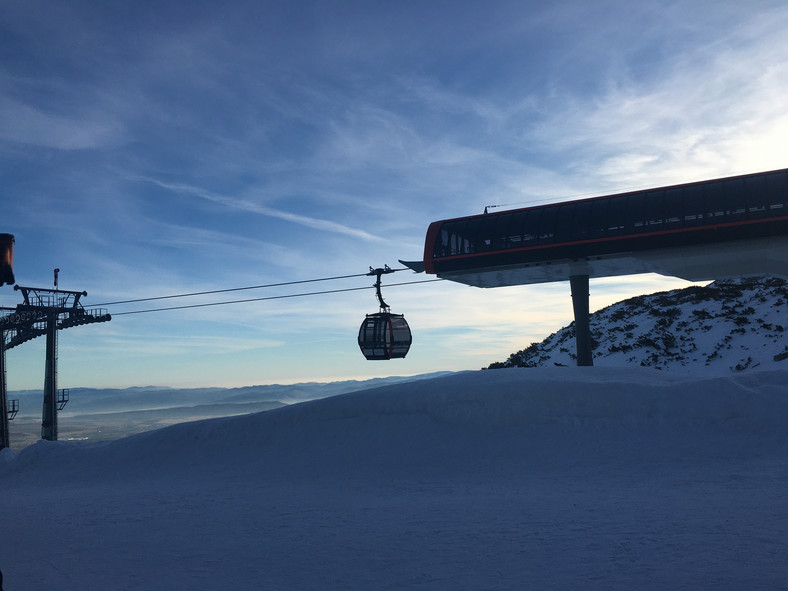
point(257, 208)
point(26, 124)
point(719, 108)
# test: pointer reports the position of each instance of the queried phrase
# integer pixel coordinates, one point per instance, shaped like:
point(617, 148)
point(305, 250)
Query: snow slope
point(551, 478)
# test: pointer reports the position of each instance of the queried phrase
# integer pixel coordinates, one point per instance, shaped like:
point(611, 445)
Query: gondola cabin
point(384, 336)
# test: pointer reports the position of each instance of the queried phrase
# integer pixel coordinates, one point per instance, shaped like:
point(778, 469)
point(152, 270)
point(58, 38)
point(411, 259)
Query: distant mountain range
point(726, 326)
point(98, 401)
point(98, 414)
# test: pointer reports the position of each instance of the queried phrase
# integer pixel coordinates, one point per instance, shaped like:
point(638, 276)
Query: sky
point(150, 149)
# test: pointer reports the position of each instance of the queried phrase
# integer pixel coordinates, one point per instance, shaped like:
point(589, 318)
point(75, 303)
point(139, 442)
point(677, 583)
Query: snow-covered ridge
point(729, 325)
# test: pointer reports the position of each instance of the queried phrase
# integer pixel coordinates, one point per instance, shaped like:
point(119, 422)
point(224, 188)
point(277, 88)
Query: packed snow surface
point(549, 478)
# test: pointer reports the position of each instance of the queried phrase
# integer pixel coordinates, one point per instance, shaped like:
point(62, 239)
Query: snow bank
point(514, 403)
point(510, 479)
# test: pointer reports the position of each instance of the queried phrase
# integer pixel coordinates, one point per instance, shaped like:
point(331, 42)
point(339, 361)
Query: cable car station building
point(696, 231)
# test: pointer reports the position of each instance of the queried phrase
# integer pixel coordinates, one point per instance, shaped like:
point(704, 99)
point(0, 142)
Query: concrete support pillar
point(49, 413)
point(579, 287)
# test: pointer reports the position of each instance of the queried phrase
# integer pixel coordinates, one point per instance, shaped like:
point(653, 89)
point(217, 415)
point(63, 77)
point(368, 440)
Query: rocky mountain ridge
point(727, 325)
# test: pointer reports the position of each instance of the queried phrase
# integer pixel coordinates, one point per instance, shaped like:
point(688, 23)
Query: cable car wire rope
point(199, 293)
point(279, 297)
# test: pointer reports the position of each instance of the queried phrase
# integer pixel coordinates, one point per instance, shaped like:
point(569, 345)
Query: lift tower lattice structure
point(8, 325)
point(42, 313)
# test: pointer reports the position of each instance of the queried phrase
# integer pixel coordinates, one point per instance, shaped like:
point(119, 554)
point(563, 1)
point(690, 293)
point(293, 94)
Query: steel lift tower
point(8, 326)
point(42, 313)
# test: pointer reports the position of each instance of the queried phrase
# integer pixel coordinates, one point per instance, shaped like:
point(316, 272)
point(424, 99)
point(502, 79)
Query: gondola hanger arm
point(378, 273)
